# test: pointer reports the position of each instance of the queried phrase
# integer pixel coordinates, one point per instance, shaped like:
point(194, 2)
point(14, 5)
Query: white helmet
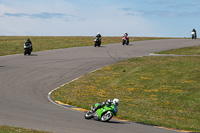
point(98, 33)
point(116, 101)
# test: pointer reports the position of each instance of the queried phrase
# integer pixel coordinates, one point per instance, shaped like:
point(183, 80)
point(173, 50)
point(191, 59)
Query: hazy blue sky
point(166, 18)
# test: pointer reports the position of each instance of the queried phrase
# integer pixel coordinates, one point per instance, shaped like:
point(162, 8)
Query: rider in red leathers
point(126, 38)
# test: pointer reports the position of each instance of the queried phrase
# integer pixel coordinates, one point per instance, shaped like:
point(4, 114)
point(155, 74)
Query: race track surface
point(25, 82)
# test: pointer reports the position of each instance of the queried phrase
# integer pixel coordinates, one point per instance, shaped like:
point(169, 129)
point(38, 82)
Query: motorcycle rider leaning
point(28, 42)
point(108, 103)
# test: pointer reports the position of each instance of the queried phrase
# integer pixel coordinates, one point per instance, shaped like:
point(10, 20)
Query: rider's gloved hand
point(109, 101)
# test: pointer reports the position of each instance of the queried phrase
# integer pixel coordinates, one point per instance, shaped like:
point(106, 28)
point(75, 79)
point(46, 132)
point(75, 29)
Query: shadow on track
point(33, 55)
point(102, 46)
point(110, 122)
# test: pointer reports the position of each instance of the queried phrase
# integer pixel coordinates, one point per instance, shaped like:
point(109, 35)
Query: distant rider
point(109, 102)
point(194, 30)
point(98, 35)
point(29, 43)
point(194, 33)
point(126, 36)
point(97, 39)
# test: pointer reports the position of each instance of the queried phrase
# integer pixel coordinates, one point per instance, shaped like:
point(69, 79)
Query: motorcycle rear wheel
point(106, 116)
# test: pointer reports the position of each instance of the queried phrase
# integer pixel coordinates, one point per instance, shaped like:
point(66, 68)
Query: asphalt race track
point(25, 82)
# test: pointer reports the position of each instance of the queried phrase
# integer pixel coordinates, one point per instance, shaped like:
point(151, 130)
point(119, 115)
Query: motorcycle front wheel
point(123, 42)
point(88, 115)
point(25, 51)
point(99, 44)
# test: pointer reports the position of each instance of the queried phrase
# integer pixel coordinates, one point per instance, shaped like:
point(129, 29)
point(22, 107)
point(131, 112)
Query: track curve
point(25, 82)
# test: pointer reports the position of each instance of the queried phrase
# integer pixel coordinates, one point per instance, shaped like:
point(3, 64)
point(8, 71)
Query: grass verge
point(153, 90)
point(14, 44)
point(8, 129)
point(183, 51)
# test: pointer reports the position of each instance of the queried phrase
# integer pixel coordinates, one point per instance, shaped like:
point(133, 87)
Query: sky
point(139, 18)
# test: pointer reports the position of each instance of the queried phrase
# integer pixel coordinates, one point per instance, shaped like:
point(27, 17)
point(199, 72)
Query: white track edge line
point(49, 94)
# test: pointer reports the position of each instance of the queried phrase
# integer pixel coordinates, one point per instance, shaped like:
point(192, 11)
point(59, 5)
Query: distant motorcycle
point(125, 40)
point(103, 114)
point(194, 36)
point(27, 48)
point(97, 41)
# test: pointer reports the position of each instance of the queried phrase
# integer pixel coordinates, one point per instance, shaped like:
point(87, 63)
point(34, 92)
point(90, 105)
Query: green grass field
point(160, 91)
point(14, 44)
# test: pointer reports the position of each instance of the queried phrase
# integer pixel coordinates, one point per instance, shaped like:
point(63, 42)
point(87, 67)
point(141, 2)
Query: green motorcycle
point(103, 114)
